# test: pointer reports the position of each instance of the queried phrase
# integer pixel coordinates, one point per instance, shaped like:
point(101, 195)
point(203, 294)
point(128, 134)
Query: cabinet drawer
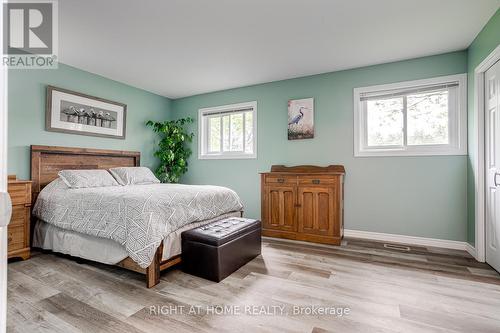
point(20, 214)
point(312, 180)
point(274, 179)
point(15, 237)
point(20, 193)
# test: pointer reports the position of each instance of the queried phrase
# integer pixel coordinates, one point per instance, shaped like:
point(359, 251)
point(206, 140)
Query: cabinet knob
point(281, 180)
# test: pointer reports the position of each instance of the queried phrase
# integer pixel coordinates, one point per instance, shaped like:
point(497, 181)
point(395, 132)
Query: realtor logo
point(30, 34)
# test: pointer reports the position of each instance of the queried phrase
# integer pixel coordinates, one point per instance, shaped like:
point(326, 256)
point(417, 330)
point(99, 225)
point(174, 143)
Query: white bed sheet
point(106, 251)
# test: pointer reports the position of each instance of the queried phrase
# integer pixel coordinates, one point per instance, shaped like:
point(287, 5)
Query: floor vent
point(397, 247)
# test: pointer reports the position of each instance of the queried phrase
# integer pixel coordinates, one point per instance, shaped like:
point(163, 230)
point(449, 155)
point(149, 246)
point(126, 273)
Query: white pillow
point(134, 176)
point(87, 178)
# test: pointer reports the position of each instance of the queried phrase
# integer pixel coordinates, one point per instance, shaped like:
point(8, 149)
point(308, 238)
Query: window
point(423, 117)
point(228, 131)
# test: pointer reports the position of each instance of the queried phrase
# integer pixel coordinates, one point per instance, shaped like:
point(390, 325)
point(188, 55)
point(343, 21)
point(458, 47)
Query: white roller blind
point(221, 112)
point(403, 92)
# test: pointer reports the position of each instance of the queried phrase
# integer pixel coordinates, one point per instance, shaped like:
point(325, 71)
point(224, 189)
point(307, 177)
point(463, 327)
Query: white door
point(492, 118)
point(4, 206)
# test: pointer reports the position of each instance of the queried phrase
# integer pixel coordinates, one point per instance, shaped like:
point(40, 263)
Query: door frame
point(479, 160)
point(3, 184)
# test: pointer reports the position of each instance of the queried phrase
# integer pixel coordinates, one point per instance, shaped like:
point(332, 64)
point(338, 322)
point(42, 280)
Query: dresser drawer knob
point(316, 181)
point(281, 180)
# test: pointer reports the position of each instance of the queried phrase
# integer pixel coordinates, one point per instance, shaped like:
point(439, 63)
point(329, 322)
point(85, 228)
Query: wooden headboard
point(47, 161)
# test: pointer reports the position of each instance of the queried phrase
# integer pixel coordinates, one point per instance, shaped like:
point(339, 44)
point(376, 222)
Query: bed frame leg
point(153, 271)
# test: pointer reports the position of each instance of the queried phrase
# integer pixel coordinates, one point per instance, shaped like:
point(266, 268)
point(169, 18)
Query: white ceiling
point(179, 48)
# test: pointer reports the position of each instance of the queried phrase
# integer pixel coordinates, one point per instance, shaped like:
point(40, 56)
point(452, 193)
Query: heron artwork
point(301, 119)
point(298, 117)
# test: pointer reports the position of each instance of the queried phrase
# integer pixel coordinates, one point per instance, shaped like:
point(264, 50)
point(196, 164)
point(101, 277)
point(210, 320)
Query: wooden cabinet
point(18, 231)
point(303, 203)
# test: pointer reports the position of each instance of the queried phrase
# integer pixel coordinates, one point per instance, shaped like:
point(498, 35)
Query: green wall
point(27, 89)
point(486, 41)
point(416, 196)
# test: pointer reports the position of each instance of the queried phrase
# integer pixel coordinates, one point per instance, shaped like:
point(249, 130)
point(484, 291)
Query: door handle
point(5, 209)
point(495, 178)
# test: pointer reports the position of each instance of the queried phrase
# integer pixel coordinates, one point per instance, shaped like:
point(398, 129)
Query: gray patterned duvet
point(136, 216)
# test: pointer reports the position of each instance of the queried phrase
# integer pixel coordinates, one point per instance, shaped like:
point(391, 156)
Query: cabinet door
point(279, 208)
point(316, 212)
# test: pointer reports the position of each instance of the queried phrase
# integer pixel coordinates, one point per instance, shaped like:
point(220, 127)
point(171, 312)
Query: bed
point(56, 228)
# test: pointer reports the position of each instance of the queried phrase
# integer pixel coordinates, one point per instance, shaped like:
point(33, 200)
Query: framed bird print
point(301, 119)
point(72, 112)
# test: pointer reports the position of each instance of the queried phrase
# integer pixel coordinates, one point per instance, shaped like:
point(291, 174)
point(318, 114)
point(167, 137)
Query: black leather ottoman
point(216, 250)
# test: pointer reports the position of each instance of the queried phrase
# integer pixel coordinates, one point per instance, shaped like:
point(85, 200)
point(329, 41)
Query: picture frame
point(301, 119)
point(76, 113)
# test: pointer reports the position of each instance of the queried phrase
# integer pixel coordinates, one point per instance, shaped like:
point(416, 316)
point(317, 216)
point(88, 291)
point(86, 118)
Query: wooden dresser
point(303, 203)
point(18, 231)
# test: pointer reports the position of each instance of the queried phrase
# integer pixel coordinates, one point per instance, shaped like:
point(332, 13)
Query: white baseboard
point(411, 240)
point(471, 249)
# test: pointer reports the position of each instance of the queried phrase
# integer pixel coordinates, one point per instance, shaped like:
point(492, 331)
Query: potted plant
point(173, 151)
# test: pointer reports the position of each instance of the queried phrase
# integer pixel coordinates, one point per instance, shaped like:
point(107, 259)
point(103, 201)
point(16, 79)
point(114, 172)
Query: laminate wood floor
point(360, 287)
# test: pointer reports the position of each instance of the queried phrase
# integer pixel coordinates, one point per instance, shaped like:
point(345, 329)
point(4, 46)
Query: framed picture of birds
point(301, 119)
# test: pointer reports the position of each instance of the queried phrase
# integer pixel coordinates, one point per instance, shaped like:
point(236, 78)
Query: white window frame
point(457, 121)
point(203, 132)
